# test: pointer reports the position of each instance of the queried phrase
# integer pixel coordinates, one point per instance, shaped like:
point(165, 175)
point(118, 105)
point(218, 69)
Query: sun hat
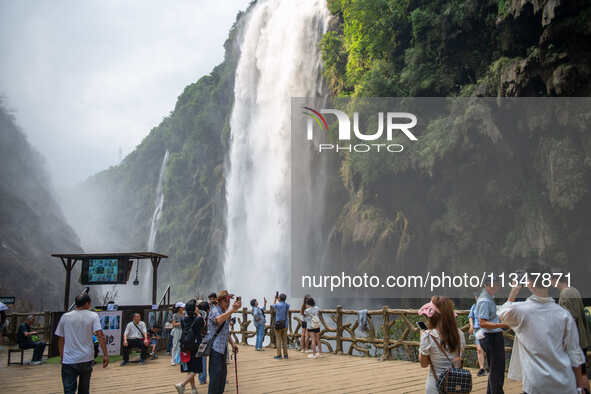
point(224, 294)
point(179, 305)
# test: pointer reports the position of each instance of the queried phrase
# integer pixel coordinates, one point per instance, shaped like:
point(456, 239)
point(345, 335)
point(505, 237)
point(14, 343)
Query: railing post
point(386, 334)
point(244, 326)
point(339, 344)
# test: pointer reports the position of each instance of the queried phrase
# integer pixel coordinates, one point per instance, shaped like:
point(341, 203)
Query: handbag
point(204, 349)
point(452, 380)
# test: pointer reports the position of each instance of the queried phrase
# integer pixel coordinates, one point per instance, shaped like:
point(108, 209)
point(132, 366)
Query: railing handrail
point(165, 296)
point(334, 336)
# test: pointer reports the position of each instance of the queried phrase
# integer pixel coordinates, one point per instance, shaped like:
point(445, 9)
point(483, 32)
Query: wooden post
point(339, 333)
point(386, 334)
point(155, 263)
point(68, 267)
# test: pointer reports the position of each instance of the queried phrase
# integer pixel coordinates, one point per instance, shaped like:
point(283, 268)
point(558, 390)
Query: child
point(154, 337)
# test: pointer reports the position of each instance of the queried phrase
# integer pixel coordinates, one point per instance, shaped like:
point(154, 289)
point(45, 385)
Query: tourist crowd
point(548, 355)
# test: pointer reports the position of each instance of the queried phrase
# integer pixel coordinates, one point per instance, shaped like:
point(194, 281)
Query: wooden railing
point(387, 330)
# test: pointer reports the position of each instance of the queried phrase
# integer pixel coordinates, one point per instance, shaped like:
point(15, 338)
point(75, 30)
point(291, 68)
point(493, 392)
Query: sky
point(87, 80)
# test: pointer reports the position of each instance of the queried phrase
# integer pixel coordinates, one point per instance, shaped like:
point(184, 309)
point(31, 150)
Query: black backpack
point(188, 340)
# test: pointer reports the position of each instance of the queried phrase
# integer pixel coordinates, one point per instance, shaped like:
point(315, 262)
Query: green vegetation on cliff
point(466, 192)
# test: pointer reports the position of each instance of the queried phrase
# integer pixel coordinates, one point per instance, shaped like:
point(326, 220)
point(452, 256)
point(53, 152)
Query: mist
point(87, 81)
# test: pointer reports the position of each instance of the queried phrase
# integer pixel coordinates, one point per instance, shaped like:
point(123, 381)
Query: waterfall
point(146, 281)
point(279, 59)
point(158, 208)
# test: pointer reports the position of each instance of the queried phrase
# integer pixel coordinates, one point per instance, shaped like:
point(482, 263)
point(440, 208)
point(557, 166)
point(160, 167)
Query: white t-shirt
point(132, 332)
point(77, 328)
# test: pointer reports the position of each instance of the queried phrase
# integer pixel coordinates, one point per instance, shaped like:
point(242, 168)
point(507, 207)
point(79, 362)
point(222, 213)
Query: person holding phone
point(442, 342)
point(220, 315)
point(281, 322)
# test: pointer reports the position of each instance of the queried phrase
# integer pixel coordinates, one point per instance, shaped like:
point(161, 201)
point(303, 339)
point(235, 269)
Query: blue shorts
point(153, 342)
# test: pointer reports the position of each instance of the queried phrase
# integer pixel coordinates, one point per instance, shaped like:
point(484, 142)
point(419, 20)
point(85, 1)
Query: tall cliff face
point(465, 198)
point(32, 225)
point(113, 209)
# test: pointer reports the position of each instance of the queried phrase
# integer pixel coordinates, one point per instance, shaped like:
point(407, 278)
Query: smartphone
point(421, 325)
point(276, 294)
point(238, 299)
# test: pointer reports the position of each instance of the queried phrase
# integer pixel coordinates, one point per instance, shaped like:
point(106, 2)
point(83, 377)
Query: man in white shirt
point(548, 341)
point(135, 336)
point(75, 330)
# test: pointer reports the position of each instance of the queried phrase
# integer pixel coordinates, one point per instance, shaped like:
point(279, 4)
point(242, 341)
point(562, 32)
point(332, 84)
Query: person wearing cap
point(179, 315)
point(219, 316)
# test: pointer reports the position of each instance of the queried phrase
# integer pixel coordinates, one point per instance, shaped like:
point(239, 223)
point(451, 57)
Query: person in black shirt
point(29, 339)
point(193, 365)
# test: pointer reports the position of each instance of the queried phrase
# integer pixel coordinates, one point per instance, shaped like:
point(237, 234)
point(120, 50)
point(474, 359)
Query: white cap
point(179, 305)
point(3, 307)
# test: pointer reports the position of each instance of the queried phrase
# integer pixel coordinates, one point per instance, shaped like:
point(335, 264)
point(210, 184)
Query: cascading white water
point(159, 204)
point(279, 59)
point(146, 282)
point(128, 293)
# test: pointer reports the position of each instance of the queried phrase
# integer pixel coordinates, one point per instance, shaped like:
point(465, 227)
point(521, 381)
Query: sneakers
point(309, 351)
point(193, 391)
point(179, 388)
point(481, 372)
point(123, 363)
point(172, 363)
point(142, 362)
point(36, 362)
point(285, 357)
point(277, 357)
point(313, 355)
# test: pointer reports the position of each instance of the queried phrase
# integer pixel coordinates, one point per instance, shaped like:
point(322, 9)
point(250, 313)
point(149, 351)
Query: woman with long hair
point(305, 323)
point(442, 344)
point(179, 315)
point(312, 313)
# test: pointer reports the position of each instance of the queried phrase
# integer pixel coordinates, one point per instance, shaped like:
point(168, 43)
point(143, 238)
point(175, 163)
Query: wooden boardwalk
point(258, 372)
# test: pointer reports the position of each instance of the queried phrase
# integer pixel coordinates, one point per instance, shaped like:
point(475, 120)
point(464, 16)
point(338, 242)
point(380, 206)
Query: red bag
point(185, 357)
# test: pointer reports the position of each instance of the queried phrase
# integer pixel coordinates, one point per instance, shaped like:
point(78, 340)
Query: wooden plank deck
point(258, 372)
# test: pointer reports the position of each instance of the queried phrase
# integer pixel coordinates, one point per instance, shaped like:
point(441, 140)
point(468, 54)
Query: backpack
point(315, 322)
point(188, 341)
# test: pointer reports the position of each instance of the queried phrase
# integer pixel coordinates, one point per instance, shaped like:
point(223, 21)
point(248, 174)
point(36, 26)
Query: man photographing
point(219, 317)
point(75, 330)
